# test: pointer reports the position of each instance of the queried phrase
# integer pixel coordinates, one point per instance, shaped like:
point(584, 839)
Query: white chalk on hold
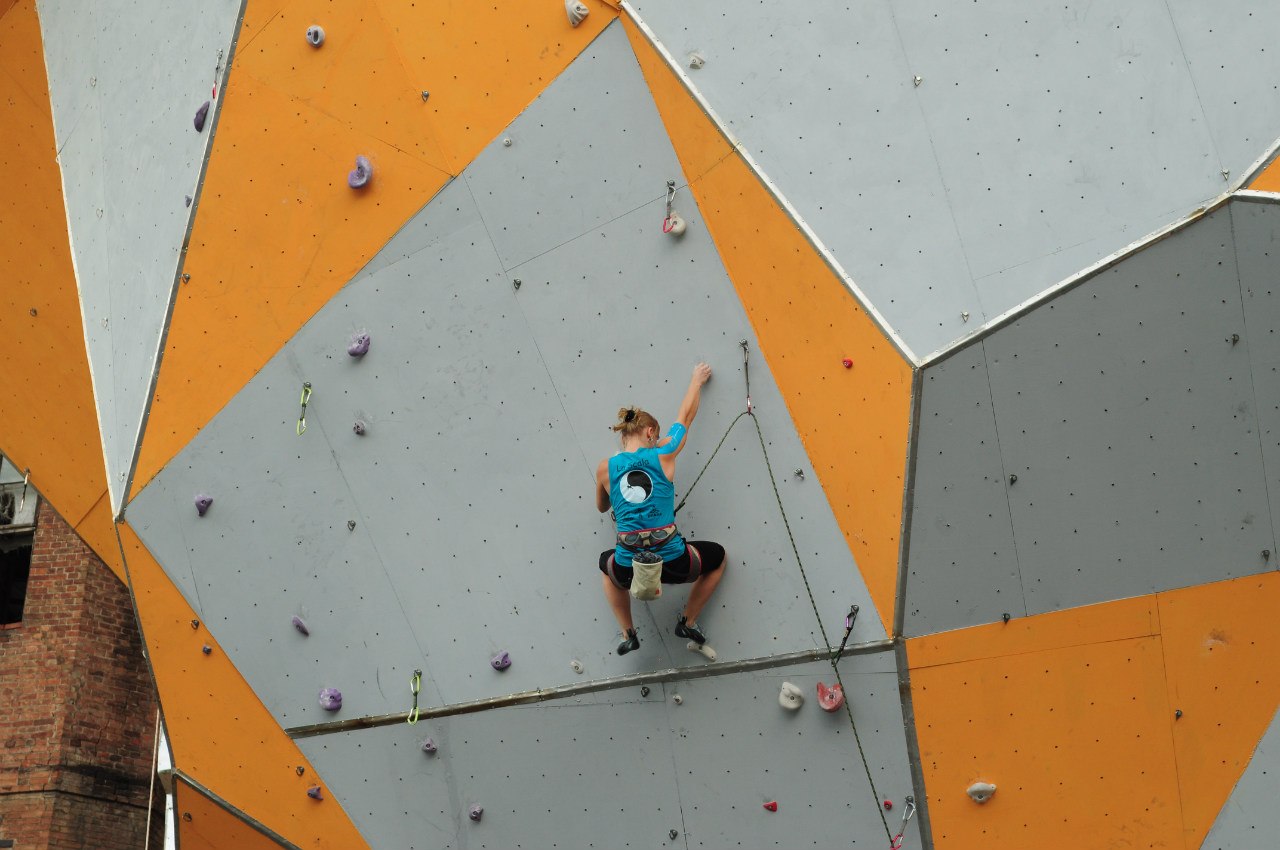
point(980, 792)
point(576, 10)
point(676, 224)
point(791, 697)
point(703, 649)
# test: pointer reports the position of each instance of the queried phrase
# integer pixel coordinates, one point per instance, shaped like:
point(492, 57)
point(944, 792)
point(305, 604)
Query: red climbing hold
point(848, 364)
point(888, 804)
point(771, 806)
point(830, 699)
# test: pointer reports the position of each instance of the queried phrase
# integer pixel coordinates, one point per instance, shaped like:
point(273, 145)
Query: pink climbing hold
point(475, 812)
point(330, 699)
point(360, 176)
point(771, 806)
point(501, 661)
point(315, 793)
point(201, 114)
point(359, 345)
point(847, 363)
point(830, 699)
point(202, 503)
point(300, 625)
point(429, 747)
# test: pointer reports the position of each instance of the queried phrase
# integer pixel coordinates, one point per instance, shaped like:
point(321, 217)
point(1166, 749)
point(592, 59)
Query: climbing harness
point(908, 812)
point(646, 538)
point(795, 549)
point(415, 686)
point(302, 416)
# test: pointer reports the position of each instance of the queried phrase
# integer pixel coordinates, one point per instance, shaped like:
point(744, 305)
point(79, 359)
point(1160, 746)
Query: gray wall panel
point(487, 410)
point(561, 166)
point(1250, 818)
point(962, 564)
point(624, 769)
point(129, 156)
point(1127, 413)
point(1257, 239)
point(1227, 45)
point(853, 155)
point(1042, 138)
point(1128, 416)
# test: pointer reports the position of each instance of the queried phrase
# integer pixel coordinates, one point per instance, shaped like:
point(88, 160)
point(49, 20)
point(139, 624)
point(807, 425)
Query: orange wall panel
point(1268, 180)
point(221, 734)
point(854, 422)
point(277, 232)
point(46, 396)
point(1220, 643)
point(1076, 740)
point(98, 529)
point(204, 825)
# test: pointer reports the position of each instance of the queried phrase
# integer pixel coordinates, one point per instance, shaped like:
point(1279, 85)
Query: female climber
point(637, 483)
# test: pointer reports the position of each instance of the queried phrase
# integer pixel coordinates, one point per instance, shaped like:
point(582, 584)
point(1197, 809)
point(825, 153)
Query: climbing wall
point(987, 294)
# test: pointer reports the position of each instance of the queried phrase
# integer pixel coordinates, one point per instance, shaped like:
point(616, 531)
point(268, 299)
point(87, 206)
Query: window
point(15, 568)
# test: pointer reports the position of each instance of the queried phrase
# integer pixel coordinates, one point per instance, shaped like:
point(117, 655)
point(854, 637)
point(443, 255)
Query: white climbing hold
point(980, 792)
point(703, 649)
point(315, 35)
point(676, 225)
point(791, 697)
point(917, 80)
point(696, 60)
point(576, 666)
point(677, 699)
point(576, 10)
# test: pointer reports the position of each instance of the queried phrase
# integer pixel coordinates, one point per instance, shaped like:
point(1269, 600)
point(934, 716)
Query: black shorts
point(673, 572)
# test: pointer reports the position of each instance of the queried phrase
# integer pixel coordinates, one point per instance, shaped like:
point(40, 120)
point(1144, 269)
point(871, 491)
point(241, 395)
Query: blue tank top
point(643, 497)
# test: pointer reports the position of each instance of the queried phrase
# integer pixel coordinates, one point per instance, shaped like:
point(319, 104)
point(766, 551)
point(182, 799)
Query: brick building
point(77, 706)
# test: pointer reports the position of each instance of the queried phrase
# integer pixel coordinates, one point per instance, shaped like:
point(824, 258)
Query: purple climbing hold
point(300, 625)
point(475, 812)
point(359, 345)
point(206, 649)
point(202, 503)
point(501, 661)
point(429, 747)
point(359, 427)
point(315, 793)
point(360, 176)
point(330, 699)
point(201, 114)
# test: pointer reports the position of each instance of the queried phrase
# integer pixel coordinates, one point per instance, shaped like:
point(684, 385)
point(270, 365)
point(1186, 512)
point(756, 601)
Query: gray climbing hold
point(351, 525)
point(501, 661)
point(429, 747)
point(330, 699)
point(359, 427)
point(315, 35)
point(360, 176)
point(359, 345)
point(188, 197)
point(475, 812)
point(301, 625)
point(980, 792)
point(201, 114)
point(315, 793)
point(202, 503)
point(576, 10)
point(791, 697)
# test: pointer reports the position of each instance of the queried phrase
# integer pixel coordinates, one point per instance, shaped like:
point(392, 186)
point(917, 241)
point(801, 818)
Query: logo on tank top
point(636, 486)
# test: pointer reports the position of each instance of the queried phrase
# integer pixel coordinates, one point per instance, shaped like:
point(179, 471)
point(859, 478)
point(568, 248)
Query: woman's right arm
point(602, 486)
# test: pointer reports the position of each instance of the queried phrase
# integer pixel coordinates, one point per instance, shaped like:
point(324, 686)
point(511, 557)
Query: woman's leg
point(620, 602)
point(706, 583)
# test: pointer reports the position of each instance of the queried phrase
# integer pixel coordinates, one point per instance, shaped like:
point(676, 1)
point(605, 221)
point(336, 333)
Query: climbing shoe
point(690, 631)
point(630, 642)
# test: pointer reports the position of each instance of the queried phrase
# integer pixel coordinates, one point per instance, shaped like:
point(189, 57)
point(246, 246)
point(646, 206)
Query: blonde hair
point(633, 420)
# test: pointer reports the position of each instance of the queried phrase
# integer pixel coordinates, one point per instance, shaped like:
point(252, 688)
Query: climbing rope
point(895, 843)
